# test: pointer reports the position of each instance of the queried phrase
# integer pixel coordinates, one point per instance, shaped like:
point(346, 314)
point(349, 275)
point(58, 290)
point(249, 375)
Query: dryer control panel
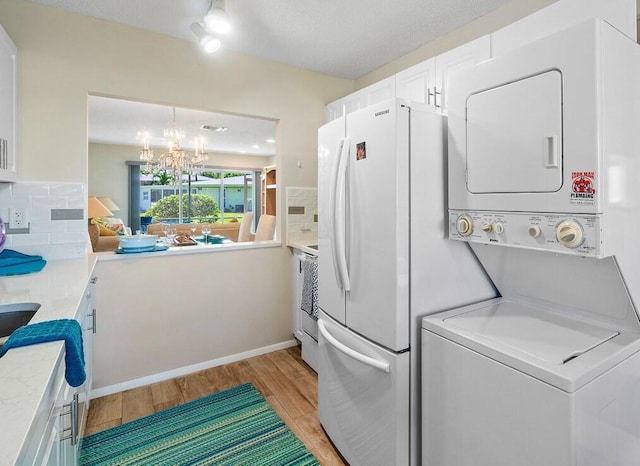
point(564, 233)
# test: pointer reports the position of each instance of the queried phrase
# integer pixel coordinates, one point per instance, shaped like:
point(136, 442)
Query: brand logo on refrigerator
point(384, 112)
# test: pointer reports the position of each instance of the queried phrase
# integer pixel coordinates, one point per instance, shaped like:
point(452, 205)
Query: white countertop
point(304, 247)
point(26, 372)
point(195, 249)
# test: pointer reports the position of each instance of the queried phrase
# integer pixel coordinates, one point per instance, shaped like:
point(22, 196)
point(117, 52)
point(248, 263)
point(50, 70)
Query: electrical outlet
point(18, 218)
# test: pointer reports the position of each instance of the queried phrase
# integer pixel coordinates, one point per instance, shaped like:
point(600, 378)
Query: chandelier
point(175, 161)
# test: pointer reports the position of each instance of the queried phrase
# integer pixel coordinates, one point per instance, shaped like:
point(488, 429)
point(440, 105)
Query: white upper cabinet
point(373, 94)
point(8, 56)
point(347, 104)
point(416, 84)
point(380, 91)
point(454, 60)
point(427, 82)
point(621, 14)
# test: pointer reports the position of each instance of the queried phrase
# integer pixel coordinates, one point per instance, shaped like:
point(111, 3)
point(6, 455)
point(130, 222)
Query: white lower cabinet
point(59, 440)
point(87, 318)
point(56, 441)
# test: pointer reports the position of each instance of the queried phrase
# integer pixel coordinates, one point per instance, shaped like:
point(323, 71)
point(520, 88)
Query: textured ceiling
point(341, 38)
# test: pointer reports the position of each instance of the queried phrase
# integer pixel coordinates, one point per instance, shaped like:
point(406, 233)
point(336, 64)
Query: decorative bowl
point(138, 241)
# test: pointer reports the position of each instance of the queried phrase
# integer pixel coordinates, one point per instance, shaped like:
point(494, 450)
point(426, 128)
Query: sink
point(15, 315)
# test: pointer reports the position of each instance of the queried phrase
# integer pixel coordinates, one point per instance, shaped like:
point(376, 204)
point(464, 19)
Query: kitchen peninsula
point(169, 313)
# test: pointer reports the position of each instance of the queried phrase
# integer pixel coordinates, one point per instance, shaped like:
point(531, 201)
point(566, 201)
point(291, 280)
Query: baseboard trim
point(128, 385)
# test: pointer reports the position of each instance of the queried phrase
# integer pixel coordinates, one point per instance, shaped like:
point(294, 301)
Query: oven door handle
point(369, 361)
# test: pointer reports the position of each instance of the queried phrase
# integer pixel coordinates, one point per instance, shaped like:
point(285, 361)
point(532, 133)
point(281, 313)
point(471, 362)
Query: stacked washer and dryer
point(544, 184)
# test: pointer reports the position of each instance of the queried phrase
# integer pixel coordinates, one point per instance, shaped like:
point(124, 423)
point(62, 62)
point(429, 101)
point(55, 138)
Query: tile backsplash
point(44, 201)
point(302, 215)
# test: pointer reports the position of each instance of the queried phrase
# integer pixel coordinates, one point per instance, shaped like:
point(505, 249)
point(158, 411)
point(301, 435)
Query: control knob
point(534, 231)
point(464, 225)
point(569, 233)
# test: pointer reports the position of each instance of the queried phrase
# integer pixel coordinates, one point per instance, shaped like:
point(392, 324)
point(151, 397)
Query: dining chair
point(266, 228)
point(245, 227)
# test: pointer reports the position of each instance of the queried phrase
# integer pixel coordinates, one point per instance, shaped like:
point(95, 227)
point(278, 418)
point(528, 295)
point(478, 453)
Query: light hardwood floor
point(283, 378)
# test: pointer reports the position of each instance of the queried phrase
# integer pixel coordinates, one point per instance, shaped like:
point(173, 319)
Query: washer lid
point(547, 336)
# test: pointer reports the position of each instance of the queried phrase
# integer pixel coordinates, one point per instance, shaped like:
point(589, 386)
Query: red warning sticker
point(583, 187)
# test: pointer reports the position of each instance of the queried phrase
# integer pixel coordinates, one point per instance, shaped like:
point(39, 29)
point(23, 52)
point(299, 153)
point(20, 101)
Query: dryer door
point(514, 136)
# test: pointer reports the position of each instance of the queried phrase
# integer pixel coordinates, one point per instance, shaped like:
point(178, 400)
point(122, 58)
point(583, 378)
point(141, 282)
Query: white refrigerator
point(384, 262)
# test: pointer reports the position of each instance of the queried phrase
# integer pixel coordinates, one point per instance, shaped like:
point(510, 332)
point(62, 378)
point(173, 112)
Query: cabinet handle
point(93, 321)
point(3, 154)
point(93, 280)
point(429, 95)
point(437, 93)
point(71, 409)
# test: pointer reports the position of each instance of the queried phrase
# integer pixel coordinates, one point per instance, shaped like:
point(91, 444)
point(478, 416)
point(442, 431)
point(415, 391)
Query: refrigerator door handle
point(376, 364)
point(339, 227)
point(332, 214)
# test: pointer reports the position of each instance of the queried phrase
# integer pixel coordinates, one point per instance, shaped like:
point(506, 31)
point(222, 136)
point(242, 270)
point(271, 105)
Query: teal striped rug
point(233, 427)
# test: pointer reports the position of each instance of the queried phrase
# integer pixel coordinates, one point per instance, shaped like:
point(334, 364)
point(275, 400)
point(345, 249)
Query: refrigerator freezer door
point(331, 295)
point(378, 224)
point(363, 397)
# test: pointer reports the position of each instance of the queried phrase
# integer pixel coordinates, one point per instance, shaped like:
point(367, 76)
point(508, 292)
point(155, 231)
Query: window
point(216, 195)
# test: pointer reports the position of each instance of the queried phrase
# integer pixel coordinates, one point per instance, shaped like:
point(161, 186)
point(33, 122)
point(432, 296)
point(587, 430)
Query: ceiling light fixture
point(208, 42)
point(216, 22)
